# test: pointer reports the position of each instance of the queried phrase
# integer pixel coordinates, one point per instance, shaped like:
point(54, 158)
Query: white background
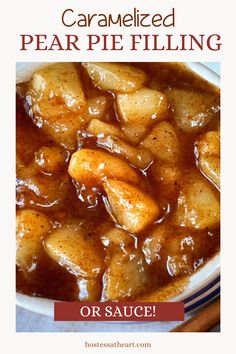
point(44, 17)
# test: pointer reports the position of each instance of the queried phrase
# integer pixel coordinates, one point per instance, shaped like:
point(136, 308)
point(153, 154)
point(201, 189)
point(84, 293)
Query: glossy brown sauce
point(49, 279)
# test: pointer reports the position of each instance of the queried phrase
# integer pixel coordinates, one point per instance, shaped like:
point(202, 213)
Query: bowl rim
point(195, 284)
point(45, 306)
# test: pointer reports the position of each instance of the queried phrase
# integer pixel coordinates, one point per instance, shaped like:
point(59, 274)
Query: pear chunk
point(193, 109)
point(131, 208)
point(116, 77)
point(92, 167)
point(98, 127)
point(142, 106)
point(137, 156)
point(208, 155)
point(74, 249)
point(198, 204)
point(126, 277)
point(138, 110)
point(56, 89)
point(163, 142)
point(31, 227)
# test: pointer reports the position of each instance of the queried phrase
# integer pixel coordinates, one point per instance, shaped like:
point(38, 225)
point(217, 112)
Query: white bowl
point(203, 286)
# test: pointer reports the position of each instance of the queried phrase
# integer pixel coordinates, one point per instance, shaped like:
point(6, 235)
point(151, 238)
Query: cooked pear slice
point(116, 77)
point(97, 127)
point(137, 156)
point(153, 244)
point(116, 239)
point(142, 106)
point(56, 89)
point(31, 227)
point(62, 130)
point(92, 167)
point(198, 203)
point(193, 109)
point(163, 142)
point(126, 277)
point(208, 154)
point(139, 110)
point(74, 249)
point(131, 208)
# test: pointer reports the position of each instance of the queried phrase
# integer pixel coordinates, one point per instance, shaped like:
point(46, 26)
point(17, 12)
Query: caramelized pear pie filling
point(118, 180)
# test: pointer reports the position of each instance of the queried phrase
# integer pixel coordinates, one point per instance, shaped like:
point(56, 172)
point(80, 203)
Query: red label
point(118, 311)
